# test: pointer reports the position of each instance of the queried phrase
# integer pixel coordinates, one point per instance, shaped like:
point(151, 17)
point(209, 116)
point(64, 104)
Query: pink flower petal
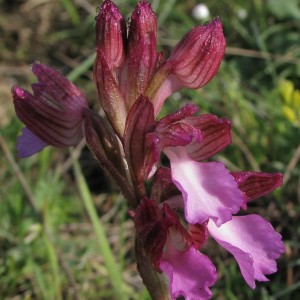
point(190, 273)
point(253, 242)
point(29, 144)
point(208, 189)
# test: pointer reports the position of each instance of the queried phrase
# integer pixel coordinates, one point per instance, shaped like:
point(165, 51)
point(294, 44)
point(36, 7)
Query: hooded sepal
point(157, 224)
point(203, 136)
point(173, 130)
point(54, 111)
point(197, 57)
point(152, 229)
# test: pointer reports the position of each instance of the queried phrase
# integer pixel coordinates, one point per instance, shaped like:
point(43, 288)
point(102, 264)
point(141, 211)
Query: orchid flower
point(191, 198)
point(209, 196)
point(53, 115)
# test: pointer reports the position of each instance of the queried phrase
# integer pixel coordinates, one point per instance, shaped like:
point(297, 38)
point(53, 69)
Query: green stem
point(54, 266)
point(113, 269)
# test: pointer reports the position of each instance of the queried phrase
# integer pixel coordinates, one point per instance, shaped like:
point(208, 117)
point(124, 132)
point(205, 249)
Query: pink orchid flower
point(209, 196)
point(173, 249)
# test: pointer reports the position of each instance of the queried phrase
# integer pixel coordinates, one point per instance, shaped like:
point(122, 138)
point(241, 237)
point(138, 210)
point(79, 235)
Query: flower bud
point(197, 57)
point(142, 55)
point(111, 34)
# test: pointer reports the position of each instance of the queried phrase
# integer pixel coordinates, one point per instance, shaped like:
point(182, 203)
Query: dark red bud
point(197, 57)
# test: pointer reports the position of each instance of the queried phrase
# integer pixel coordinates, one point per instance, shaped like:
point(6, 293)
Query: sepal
point(53, 112)
point(163, 187)
point(139, 122)
point(197, 57)
point(142, 55)
point(256, 184)
point(215, 133)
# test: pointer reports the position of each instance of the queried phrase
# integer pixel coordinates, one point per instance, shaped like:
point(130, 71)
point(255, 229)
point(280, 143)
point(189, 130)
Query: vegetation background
point(52, 243)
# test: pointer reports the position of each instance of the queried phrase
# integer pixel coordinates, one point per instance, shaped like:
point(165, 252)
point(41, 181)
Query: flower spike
point(175, 197)
point(142, 55)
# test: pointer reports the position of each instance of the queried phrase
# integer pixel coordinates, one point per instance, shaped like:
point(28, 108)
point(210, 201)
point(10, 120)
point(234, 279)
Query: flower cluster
point(192, 198)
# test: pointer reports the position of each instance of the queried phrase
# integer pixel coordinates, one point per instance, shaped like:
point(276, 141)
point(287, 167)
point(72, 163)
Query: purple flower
point(209, 196)
point(53, 114)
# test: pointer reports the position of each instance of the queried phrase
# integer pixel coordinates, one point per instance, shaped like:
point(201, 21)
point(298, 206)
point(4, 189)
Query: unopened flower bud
point(197, 57)
point(111, 34)
point(143, 57)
